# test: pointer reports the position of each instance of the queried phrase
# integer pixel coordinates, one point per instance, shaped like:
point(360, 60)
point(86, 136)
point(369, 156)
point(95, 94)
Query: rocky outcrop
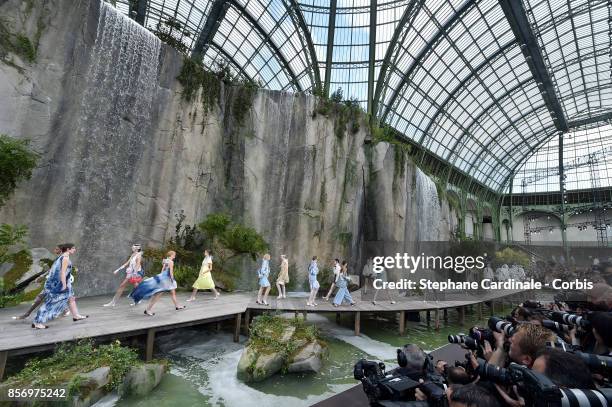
point(141, 380)
point(280, 345)
point(89, 387)
point(122, 153)
point(308, 359)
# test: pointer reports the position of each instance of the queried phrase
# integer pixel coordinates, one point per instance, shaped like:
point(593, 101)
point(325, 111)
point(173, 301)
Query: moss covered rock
point(280, 345)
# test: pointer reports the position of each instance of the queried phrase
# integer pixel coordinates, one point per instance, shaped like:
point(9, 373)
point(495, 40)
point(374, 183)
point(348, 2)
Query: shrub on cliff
point(17, 161)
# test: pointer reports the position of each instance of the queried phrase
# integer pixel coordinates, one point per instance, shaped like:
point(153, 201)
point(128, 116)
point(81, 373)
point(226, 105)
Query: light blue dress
point(56, 300)
point(313, 270)
point(343, 292)
point(153, 285)
point(263, 273)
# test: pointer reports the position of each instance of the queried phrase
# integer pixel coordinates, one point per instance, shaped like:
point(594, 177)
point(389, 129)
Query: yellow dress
point(283, 276)
point(205, 281)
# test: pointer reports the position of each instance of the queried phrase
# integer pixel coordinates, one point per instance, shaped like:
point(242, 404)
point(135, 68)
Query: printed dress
point(56, 300)
point(343, 292)
point(134, 276)
point(313, 270)
point(153, 285)
point(283, 276)
point(205, 281)
point(263, 273)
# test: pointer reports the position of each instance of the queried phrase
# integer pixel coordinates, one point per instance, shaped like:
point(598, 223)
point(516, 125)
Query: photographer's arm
point(498, 356)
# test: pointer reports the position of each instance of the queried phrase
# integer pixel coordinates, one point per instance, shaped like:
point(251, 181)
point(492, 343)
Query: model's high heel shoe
point(81, 317)
point(149, 313)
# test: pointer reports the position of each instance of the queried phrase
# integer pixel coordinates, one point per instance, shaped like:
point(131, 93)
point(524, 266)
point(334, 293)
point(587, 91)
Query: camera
point(555, 326)
point(596, 363)
point(389, 388)
point(570, 319)
point(465, 340)
point(539, 391)
point(501, 325)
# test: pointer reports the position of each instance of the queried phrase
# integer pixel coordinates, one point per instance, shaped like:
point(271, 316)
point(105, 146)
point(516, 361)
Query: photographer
point(471, 395)
point(553, 363)
point(411, 360)
point(527, 341)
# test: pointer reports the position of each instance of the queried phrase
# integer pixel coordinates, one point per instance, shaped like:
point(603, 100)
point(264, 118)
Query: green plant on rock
point(344, 112)
point(68, 360)
point(17, 161)
point(17, 44)
point(170, 32)
point(266, 334)
point(229, 240)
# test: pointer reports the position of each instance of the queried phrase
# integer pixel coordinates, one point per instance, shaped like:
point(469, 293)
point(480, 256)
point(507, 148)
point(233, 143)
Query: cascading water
point(113, 130)
point(428, 208)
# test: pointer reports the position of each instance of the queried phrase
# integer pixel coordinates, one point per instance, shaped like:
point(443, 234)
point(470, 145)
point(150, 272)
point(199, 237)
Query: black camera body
point(385, 389)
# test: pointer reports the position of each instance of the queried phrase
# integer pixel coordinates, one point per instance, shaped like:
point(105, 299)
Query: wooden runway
point(124, 321)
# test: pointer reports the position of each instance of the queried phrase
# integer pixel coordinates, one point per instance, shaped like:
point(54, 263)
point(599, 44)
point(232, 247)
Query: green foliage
point(244, 240)
point(170, 31)
point(232, 239)
point(454, 203)
point(215, 224)
point(11, 235)
point(70, 359)
point(345, 238)
point(22, 261)
point(267, 330)
point(194, 76)
point(17, 44)
point(244, 100)
point(185, 275)
point(345, 112)
point(17, 161)
point(510, 256)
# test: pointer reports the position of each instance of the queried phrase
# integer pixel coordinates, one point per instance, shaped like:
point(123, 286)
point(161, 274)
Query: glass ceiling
point(481, 84)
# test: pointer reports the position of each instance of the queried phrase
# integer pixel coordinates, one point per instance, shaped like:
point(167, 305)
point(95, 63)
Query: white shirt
point(337, 269)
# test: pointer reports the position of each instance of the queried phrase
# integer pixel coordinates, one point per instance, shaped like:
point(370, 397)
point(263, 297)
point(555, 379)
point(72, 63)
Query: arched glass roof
point(480, 84)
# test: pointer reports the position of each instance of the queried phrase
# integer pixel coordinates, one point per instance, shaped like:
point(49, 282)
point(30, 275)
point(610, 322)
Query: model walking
point(264, 284)
point(41, 296)
point(205, 281)
point(58, 290)
point(283, 277)
point(313, 270)
point(133, 273)
point(334, 279)
point(342, 283)
point(154, 287)
point(383, 277)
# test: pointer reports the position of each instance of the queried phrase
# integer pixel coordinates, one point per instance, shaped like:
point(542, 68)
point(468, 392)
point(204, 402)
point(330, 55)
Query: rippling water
point(204, 361)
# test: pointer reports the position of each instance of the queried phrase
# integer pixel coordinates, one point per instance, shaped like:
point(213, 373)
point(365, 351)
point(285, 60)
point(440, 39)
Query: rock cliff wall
point(122, 153)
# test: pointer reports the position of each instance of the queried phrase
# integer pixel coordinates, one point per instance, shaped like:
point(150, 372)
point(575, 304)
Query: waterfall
point(113, 129)
point(428, 208)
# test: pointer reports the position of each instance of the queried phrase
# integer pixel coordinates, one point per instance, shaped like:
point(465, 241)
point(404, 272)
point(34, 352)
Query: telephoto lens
point(456, 338)
point(555, 326)
point(586, 397)
point(501, 325)
point(468, 342)
point(570, 319)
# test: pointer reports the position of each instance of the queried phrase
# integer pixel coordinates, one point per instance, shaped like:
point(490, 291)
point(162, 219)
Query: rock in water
point(308, 359)
point(140, 380)
point(267, 365)
point(90, 386)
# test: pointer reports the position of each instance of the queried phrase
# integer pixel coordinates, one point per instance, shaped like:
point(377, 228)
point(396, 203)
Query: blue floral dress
point(153, 285)
point(313, 270)
point(263, 273)
point(56, 299)
point(343, 292)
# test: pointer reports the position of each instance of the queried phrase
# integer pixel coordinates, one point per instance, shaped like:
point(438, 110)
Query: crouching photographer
point(416, 382)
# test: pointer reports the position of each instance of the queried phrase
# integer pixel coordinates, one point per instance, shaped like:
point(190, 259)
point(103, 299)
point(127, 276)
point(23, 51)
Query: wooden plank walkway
point(123, 321)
